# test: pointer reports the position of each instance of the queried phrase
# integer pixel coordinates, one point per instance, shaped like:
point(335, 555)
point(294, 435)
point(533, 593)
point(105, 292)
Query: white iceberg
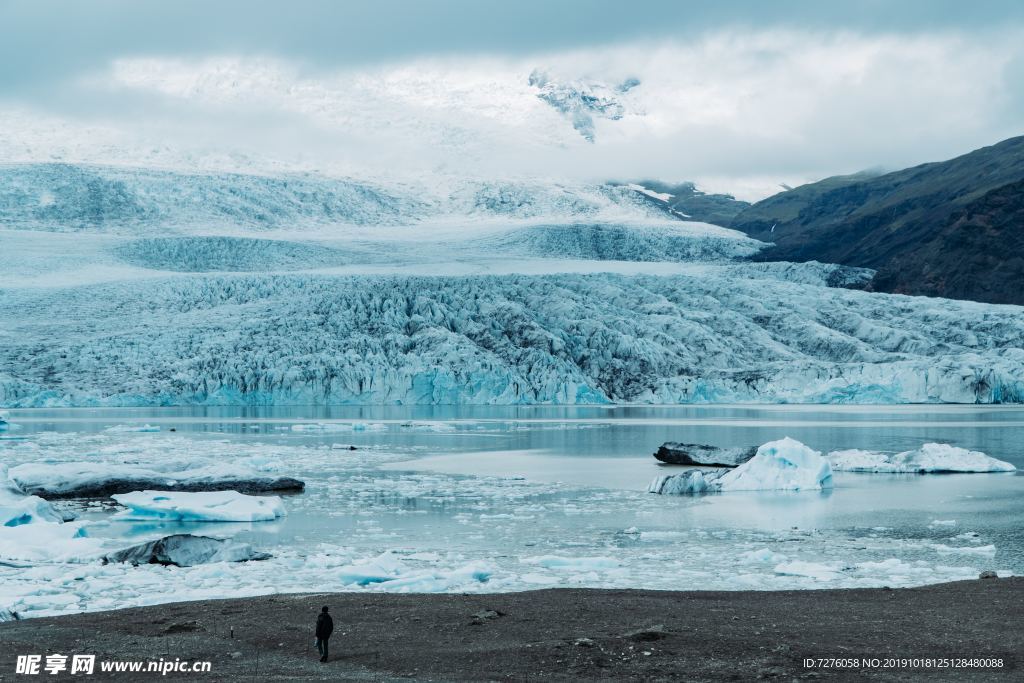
point(17, 508)
point(207, 506)
point(931, 457)
point(47, 542)
point(784, 465)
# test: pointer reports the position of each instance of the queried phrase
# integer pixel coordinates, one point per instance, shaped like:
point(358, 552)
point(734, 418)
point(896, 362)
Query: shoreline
point(553, 634)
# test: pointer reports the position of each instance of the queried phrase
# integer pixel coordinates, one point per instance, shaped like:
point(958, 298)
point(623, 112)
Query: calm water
point(510, 484)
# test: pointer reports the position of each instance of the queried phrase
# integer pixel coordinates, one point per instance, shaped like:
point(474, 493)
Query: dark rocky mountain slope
point(952, 229)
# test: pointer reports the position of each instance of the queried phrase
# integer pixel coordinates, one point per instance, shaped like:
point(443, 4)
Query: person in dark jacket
point(324, 627)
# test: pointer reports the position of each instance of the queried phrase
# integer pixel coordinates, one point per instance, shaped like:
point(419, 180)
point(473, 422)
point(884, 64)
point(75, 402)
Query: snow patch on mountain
point(583, 100)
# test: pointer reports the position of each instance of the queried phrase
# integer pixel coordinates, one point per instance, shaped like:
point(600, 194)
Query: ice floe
point(931, 457)
point(186, 550)
point(208, 506)
point(389, 569)
point(131, 428)
point(92, 479)
point(783, 465)
point(339, 427)
point(17, 508)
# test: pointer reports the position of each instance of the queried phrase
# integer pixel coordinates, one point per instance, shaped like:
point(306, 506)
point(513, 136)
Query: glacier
point(151, 287)
point(561, 338)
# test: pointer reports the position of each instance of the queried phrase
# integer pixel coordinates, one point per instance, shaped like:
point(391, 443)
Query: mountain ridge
point(910, 225)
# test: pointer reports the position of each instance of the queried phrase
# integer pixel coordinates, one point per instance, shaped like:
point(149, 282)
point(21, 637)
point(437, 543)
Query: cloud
point(733, 109)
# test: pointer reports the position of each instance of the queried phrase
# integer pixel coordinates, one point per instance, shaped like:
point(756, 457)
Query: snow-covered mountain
point(141, 286)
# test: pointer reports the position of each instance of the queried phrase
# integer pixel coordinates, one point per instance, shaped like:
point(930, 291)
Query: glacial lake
point(541, 496)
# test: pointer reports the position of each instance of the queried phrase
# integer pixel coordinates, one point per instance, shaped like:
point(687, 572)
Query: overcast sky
point(737, 95)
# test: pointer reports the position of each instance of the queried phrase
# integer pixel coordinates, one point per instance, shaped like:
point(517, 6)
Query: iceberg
point(685, 483)
point(87, 479)
point(929, 458)
point(48, 542)
point(18, 508)
point(185, 550)
point(783, 465)
point(675, 453)
point(208, 506)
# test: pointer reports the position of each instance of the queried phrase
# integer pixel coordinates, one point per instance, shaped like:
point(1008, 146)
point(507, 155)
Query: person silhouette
point(324, 628)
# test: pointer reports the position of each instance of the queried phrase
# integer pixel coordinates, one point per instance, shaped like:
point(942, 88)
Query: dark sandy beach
point(578, 634)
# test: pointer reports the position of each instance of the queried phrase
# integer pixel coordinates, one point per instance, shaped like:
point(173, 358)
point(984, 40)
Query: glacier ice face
point(207, 506)
point(712, 336)
point(931, 457)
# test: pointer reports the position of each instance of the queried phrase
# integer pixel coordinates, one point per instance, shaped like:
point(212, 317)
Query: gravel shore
point(557, 635)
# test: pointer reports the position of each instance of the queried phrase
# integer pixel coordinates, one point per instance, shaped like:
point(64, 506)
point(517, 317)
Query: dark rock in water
point(988, 575)
point(676, 453)
point(106, 488)
point(185, 550)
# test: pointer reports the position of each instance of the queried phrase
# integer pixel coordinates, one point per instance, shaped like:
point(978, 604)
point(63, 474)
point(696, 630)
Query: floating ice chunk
point(676, 453)
point(208, 506)
point(942, 522)
point(118, 429)
point(931, 457)
point(390, 570)
point(814, 570)
point(762, 555)
point(17, 508)
point(186, 550)
point(385, 567)
point(690, 482)
point(429, 426)
point(784, 465)
point(985, 550)
point(47, 543)
point(101, 479)
point(339, 427)
point(573, 563)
